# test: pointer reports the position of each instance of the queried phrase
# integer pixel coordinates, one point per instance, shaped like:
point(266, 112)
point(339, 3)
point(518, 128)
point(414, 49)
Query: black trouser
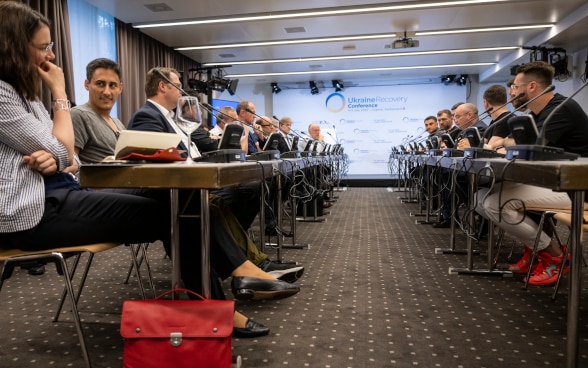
point(76, 217)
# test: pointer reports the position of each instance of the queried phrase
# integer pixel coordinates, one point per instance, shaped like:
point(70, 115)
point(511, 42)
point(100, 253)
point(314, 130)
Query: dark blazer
point(149, 118)
point(201, 137)
point(282, 144)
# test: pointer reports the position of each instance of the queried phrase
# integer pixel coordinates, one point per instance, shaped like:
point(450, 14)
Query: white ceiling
point(570, 18)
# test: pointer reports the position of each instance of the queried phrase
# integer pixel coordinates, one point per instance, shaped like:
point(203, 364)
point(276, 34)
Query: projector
point(405, 44)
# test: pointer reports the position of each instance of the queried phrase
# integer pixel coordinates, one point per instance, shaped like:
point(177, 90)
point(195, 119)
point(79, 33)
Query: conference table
point(199, 176)
point(176, 176)
point(568, 176)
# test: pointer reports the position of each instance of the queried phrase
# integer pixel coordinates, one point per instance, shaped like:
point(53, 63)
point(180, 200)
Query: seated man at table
point(495, 98)
point(567, 129)
point(465, 116)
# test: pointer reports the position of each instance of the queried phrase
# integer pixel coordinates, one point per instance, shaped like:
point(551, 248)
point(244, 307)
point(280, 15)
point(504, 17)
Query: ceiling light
point(447, 79)
point(313, 88)
point(364, 56)
point(232, 86)
point(198, 85)
point(317, 13)
point(275, 88)
point(287, 42)
point(337, 85)
point(361, 37)
point(256, 75)
point(218, 84)
point(462, 80)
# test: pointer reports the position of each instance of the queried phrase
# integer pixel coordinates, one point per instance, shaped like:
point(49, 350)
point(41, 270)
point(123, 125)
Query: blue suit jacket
point(149, 118)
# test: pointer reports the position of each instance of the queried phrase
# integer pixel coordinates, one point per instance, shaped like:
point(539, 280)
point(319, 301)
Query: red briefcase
point(177, 333)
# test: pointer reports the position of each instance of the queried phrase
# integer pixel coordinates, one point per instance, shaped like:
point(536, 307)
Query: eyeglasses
point(45, 49)
point(516, 86)
point(177, 85)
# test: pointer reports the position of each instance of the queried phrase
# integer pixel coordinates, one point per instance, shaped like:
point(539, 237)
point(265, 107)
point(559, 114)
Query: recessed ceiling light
point(366, 56)
point(324, 12)
point(361, 37)
point(359, 70)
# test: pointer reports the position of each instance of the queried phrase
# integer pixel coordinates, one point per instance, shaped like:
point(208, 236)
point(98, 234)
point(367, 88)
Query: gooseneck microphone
point(541, 138)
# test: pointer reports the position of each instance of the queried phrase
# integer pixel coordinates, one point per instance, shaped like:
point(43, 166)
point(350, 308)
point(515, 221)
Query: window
point(92, 36)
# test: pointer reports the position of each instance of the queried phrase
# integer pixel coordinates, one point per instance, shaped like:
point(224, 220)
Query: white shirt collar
point(194, 152)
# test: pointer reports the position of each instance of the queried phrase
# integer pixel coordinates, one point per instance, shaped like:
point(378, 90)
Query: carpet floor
point(374, 294)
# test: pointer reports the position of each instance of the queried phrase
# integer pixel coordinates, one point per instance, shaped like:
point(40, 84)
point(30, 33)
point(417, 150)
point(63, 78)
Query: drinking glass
point(188, 118)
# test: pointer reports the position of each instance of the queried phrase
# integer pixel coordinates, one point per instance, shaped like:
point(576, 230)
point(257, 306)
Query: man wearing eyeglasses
point(567, 129)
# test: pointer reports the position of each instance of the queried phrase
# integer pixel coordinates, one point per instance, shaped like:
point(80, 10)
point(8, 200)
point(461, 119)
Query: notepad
point(144, 142)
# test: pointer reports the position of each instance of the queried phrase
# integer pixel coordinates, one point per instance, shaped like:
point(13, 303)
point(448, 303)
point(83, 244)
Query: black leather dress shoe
point(252, 329)
point(444, 224)
point(34, 268)
point(253, 288)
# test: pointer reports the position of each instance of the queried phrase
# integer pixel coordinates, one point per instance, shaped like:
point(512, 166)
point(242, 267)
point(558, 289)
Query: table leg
point(205, 242)
point(575, 278)
point(175, 240)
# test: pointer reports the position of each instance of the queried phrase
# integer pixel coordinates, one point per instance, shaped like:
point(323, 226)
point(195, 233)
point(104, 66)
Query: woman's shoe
point(251, 329)
point(253, 288)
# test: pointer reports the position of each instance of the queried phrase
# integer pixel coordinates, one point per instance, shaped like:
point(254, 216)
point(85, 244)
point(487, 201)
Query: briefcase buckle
point(175, 339)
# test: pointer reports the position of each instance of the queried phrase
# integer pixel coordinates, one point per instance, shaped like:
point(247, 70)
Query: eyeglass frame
point(47, 48)
point(516, 86)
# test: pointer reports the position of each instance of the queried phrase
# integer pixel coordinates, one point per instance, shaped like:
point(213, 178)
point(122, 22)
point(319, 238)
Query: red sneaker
point(522, 266)
point(551, 269)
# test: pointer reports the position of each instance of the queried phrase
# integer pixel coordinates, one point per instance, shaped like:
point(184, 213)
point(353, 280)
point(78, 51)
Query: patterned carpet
point(374, 294)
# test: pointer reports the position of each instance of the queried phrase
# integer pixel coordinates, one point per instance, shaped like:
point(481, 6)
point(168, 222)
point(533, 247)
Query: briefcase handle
point(177, 290)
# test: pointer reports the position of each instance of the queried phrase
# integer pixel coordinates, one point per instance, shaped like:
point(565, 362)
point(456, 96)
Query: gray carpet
point(374, 294)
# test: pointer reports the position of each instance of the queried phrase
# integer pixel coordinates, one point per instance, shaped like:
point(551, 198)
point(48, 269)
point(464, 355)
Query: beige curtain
point(137, 53)
point(56, 12)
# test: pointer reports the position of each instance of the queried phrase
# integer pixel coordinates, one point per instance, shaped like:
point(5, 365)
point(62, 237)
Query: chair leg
point(68, 286)
point(132, 265)
point(62, 269)
point(499, 241)
point(64, 292)
point(565, 259)
point(144, 247)
point(535, 245)
point(137, 269)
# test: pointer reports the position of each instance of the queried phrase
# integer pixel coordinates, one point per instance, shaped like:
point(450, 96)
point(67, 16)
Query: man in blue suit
point(226, 234)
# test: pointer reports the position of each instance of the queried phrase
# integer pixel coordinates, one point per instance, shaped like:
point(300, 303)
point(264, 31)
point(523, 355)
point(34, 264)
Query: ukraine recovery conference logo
point(335, 102)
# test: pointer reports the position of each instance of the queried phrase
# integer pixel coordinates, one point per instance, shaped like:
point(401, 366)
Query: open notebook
point(137, 141)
